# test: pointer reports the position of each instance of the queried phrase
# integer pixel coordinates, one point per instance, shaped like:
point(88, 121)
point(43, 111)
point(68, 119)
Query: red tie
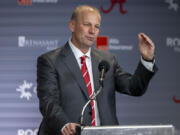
point(88, 85)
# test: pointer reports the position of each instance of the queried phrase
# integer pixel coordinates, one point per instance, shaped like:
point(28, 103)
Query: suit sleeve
point(49, 95)
point(136, 84)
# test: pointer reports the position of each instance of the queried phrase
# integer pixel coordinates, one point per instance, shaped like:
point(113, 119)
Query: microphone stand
point(79, 129)
point(101, 80)
point(85, 106)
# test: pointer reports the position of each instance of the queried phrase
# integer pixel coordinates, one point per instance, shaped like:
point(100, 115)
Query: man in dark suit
point(62, 86)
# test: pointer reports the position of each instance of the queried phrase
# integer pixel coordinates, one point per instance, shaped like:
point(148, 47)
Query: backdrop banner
point(29, 28)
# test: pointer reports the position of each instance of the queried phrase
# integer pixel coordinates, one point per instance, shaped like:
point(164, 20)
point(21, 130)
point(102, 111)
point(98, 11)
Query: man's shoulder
point(102, 54)
point(53, 53)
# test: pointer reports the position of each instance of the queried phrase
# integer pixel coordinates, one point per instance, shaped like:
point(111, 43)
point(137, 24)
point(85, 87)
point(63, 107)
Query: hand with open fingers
point(70, 129)
point(146, 46)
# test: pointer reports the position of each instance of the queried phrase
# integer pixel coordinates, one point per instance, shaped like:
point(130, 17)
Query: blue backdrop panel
point(29, 28)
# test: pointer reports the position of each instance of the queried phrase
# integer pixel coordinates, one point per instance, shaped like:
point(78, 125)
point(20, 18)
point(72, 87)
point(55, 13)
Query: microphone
point(103, 68)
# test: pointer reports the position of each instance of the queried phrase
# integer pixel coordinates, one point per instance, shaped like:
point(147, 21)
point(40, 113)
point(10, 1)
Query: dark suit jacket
point(62, 91)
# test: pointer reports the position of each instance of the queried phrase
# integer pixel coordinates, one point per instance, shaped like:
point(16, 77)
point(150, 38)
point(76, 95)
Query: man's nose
point(92, 30)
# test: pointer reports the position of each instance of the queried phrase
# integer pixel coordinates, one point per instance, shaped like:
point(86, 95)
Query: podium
point(129, 130)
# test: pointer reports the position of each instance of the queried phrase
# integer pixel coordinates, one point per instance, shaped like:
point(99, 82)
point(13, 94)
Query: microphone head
point(104, 65)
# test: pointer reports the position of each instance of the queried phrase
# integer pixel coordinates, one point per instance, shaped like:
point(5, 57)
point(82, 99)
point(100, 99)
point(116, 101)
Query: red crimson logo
point(113, 3)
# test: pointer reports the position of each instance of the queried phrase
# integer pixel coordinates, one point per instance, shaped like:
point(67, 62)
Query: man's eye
point(97, 27)
point(86, 24)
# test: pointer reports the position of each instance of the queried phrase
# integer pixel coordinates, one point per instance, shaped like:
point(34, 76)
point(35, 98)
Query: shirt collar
point(77, 52)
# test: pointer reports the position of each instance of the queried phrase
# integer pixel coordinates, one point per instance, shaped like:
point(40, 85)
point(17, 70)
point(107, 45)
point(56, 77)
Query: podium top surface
point(129, 130)
point(129, 126)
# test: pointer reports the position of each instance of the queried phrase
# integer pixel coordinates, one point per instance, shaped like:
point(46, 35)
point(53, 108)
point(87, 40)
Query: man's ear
point(72, 25)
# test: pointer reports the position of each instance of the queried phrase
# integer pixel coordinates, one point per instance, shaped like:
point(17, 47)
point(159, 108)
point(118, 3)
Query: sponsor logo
point(105, 43)
point(26, 90)
point(173, 43)
point(113, 3)
point(27, 132)
point(114, 44)
point(25, 2)
point(30, 2)
point(173, 5)
point(102, 43)
point(43, 43)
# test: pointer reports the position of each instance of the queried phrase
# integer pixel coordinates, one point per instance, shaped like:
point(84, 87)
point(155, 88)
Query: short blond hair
point(77, 11)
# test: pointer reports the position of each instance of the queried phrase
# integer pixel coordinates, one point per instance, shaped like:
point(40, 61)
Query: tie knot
point(83, 58)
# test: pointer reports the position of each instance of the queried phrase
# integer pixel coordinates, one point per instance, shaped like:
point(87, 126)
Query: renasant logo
point(49, 44)
point(172, 4)
point(25, 90)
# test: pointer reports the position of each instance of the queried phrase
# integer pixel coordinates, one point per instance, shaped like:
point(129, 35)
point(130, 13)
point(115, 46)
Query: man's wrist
point(64, 127)
point(148, 65)
point(148, 60)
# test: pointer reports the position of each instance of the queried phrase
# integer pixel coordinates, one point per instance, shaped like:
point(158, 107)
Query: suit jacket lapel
point(95, 62)
point(71, 63)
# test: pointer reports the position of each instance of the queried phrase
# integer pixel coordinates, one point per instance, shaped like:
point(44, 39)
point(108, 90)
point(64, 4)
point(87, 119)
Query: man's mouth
point(90, 38)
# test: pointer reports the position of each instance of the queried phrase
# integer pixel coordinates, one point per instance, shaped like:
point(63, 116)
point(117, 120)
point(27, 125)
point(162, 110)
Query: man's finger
point(65, 132)
point(73, 128)
point(146, 39)
point(69, 129)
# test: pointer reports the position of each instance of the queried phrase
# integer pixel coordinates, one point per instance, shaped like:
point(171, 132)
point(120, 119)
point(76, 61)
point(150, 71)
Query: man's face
point(85, 29)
